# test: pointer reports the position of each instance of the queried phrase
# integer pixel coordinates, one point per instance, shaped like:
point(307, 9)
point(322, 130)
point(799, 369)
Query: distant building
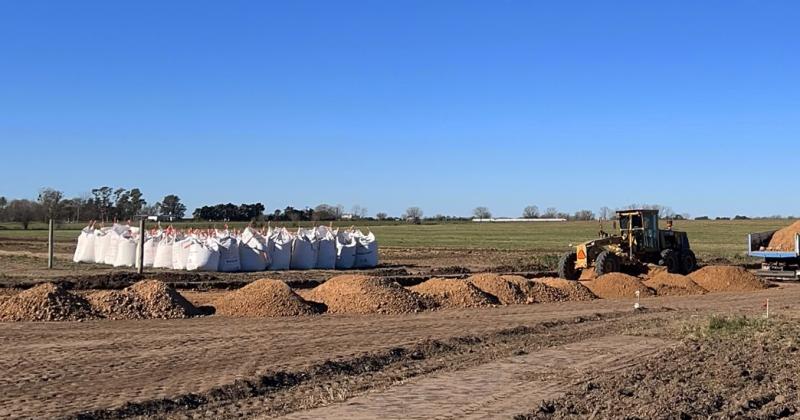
point(348, 216)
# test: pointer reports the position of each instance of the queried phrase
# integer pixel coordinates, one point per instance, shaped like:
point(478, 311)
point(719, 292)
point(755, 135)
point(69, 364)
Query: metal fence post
point(140, 259)
point(50, 245)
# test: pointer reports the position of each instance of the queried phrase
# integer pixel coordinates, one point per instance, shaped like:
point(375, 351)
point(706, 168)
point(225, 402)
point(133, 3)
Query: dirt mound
point(574, 290)
point(727, 278)
point(143, 300)
point(538, 292)
point(448, 293)
point(588, 274)
point(507, 292)
point(264, 298)
point(358, 294)
point(46, 302)
point(667, 284)
point(618, 285)
point(783, 239)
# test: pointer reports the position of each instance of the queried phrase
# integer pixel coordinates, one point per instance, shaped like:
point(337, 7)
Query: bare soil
point(454, 293)
point(719, 278)
point(669, 284)
point(357, 294)
point(617, 286)
point(265, 298)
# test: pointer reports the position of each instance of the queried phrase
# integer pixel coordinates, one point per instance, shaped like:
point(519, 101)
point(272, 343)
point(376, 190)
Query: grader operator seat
point(639, 230)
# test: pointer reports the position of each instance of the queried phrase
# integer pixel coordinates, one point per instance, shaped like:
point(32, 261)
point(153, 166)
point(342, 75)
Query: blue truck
point(777, 265)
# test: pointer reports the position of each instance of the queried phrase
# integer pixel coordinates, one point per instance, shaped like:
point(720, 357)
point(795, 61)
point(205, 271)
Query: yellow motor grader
point(638, 242)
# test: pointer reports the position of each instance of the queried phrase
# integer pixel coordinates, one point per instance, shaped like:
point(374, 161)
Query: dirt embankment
point(668, 284)
point(618, 285)
point(265, 298)
point(147, 299)
point(574, 290)
point(507, 292)
point(46, 302)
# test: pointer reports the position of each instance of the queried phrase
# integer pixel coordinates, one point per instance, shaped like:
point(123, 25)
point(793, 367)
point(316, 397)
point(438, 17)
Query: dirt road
point(200, 365)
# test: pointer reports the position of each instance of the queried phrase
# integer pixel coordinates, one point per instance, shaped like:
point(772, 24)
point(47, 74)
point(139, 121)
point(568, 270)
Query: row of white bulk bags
point(279, 247)
point(366, 250)
point(345, 250)
point(253, 251)
point(84, 252)
point(305, 249)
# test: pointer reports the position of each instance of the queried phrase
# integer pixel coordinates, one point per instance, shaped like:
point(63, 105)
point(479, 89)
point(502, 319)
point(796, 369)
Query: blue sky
point(438, 104)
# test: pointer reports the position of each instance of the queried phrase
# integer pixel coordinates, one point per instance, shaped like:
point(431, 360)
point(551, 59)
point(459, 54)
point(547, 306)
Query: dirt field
point(486, 347)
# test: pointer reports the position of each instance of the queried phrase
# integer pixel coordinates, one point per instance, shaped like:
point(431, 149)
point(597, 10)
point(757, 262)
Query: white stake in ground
point(637, 305)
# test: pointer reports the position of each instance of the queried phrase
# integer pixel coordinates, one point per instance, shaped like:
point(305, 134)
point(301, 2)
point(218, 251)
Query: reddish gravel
point(725, 278)
point(265, 298)
point(46, 302)
point(357, 294)
point(574, 290)
point(447, 293)
point(668, 284)
point(618, 285)
point(507, 292)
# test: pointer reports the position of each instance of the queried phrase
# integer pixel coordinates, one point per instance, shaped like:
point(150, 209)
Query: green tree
point(171, 206)
point(50, 200)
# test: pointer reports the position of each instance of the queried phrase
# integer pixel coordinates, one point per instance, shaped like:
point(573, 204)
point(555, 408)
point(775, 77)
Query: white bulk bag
point(304, 250)
point(366, 250)
point(279, 247)
point(126, 252)
point(112, 245)
point(163, 258)
point(180, 253)
point(326, 254)
point(253, 253)
point(203, 256)
point(150, 248)
point(100, 244)
point(84, 252)
point(345, 250)
point(228, 254)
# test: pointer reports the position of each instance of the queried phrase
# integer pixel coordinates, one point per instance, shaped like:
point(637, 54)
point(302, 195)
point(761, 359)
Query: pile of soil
point(538, 292)
point(618, 285)
point(668, 284)
point(358, 294)
point(507, 292)
point(448, 293)
point(574, 290)
point(265, 298)
point(588, 274)
point(46, 302)
point(783, 239)
point(727, 278)
point(143, 300)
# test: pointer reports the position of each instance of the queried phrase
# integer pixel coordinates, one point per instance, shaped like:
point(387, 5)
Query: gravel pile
point(726, 278)
point(507, 292)
point(538, 292)
point(447, 293)
point(143, 300)
point(783, 240)
point(575, 291)
point(46, 302)
point(358, 294)
point(618, 285)
point(668, 284)
point(265, 298)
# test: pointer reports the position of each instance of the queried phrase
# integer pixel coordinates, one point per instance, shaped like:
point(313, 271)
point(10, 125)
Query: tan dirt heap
point(726, 278)
point(358, 294)
point(448, 293)
point(618, 285)
point(264, 298)
point(538, 292)
point(668, 284)
point(783, 240)
point(575, 291)
point(46, 302)
point(507, 292)
point(143, 300)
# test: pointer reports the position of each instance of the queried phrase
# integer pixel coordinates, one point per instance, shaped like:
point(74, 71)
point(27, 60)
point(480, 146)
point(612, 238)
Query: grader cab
point(639, 242)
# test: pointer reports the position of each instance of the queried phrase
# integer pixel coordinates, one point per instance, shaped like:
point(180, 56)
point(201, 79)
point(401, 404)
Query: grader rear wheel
point(670, 260)
point(566, 266)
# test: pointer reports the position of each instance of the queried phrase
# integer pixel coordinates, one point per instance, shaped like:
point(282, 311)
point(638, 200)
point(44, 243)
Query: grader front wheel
point(566, 266)
point(606, 262)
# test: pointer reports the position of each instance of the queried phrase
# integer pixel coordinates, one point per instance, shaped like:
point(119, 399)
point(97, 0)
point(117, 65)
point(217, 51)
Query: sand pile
point(618, 285)
point(573, 289)
point(448, 293)
point(358, 294)
point(783, 240)
point(264, 298)
point(725, 278)
point(46, 302)
point(507, 292)
point(143, 300)
point(538, 292)
point(668, 284)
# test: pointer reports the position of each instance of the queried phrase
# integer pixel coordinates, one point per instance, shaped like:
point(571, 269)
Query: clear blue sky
point(443, 105)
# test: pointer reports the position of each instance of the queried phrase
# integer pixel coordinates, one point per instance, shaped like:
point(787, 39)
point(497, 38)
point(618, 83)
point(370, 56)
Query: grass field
point(709, 238)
